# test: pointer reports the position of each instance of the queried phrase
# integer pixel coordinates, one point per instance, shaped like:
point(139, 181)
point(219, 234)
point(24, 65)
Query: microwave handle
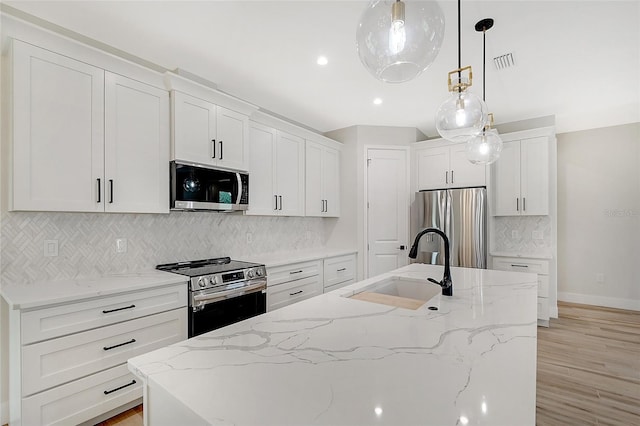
point(240, 189)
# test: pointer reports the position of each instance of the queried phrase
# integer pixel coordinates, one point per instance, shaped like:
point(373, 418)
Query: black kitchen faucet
point(446, 283)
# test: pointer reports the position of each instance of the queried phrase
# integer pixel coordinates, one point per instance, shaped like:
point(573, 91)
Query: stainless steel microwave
point(198, 187)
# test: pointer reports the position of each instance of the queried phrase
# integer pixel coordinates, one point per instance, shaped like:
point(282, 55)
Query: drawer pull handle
point(296, 272)
point(341, 269)
point(294, 293)
point(118, 309)
point(519, 266)
point(107, 392)
point(108, 348)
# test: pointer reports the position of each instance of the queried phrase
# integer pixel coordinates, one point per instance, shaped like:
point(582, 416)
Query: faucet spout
point(446, 283)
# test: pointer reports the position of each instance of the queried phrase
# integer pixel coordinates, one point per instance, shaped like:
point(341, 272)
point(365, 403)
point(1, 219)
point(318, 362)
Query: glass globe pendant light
point(484, 148)
point(397, 40)
point(463, 114)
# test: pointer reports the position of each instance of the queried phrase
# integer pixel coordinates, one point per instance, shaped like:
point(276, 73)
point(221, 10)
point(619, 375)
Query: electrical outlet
point(600, 278)
point(515, 234)
point(121, 245)
point(249, 237)
point(50, 248)
point(537, 235)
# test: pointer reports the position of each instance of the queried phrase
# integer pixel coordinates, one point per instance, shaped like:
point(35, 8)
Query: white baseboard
point(4, 413)
point(553, 311)
point(609, 302)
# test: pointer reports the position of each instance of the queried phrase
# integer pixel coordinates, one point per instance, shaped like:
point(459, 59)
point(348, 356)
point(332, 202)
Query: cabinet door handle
point(341, 269)
point(119, 309)
point(519, 266)
point(110, 191)
point(446, 176)
point(213, 145)
point(108, 348)
point(280, 196)
point(221, 150)
point(524, 204)
point(517, 204)
point(296, 292)
point(451, 176)
point(99, 190)
point(296, 272)
point(276, 197)
point(107, 392)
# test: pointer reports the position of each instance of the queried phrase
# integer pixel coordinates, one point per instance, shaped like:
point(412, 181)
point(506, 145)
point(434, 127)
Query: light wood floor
point(588, 369)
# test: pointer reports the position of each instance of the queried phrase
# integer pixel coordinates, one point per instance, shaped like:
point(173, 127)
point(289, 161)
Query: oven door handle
point(200, 300)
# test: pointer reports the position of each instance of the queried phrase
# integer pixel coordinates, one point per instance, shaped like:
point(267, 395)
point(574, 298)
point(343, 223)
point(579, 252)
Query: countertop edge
point(521, 255)
point(286, 258)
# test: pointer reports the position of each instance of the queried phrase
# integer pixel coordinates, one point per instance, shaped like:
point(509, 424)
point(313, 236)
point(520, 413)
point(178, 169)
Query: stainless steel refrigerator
point(462, 215)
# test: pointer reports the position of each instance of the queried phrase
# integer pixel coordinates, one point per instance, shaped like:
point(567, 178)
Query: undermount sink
point(398, 291)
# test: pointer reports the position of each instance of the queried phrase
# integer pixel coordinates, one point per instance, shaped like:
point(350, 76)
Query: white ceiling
point(579, 60)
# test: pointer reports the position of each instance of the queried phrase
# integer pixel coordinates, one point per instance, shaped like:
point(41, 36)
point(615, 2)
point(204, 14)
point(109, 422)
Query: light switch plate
point(121, 245)
point(515, 234)
point(50, 248)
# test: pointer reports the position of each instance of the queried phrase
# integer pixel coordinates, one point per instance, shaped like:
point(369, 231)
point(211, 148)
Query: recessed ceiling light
point(377, 101)
point(322, 60)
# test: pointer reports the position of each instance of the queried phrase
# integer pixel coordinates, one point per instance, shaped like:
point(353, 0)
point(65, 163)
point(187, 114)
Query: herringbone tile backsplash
point(522, 242)
point(86, 241)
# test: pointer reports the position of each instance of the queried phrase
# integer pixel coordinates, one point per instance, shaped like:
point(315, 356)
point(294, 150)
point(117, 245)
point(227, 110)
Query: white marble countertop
point(41, 294)
point(278, 259)
point(547, 256)
point(332, 360)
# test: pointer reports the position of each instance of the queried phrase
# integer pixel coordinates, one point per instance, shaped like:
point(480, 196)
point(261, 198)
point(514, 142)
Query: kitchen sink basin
point(400, 292)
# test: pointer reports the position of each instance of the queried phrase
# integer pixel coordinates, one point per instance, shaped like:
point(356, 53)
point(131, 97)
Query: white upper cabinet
point(58, 132)
point(86, 140)
point(322, 170)
point(521, 178)
point(446, 167)
point(209, 134)
point(136, 146)
point(276, 172)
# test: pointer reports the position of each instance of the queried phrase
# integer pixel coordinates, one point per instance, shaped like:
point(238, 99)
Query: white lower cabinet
point(287, 284)
point(339, 271)
point(535, 266)
point(69, 365)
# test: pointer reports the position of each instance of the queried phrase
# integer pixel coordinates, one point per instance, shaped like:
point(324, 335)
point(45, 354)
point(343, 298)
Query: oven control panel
point(224, 278)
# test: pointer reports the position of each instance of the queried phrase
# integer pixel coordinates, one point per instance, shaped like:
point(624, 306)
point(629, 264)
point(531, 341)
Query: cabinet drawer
point(291, 292)
point(543, 308)
point(293, 271)
point(339, 269)
point(53, 362)
point(61, 320)
point(518, 264)
point(83, 399)
point(543, 286)
point(339, 285)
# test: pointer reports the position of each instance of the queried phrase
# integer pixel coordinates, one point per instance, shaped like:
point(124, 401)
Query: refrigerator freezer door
point(432, 212)
point(468, 227)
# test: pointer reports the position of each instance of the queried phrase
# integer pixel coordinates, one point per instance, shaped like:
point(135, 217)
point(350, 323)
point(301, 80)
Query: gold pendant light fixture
point(397, 40)
point(485, 147)
point(463, 115)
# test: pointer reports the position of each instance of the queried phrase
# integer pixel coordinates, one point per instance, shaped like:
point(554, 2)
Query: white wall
point(348, 230)
point(599, 216)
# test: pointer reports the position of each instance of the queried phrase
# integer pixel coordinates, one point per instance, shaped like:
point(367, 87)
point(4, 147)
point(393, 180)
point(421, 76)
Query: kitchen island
point(335, 360)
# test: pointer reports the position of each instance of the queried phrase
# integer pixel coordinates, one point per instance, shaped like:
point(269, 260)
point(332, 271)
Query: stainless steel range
point(221, 291)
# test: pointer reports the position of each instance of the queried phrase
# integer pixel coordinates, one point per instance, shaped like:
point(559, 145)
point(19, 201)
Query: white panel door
point(534, 175)
point(314, 197)
point(506, 181)
point(388, 210)
point(194, 129)
point(289, 166)
point(433, 168)
point(136, 146)
point(232, 129)
point(463, 173)
point(331, 181)
point(262, 147)
point(58, 132)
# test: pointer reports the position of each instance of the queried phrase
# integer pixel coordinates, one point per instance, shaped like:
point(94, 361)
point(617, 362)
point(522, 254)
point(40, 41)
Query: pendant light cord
point(459, 50)
point(484, 60)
